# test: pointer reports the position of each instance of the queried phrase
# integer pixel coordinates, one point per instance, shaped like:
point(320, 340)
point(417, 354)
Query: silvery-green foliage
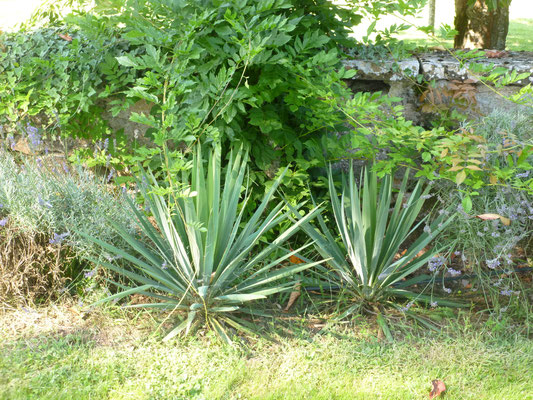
point(58, 201)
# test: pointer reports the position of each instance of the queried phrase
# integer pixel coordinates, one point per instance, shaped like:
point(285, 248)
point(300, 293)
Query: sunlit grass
point(520, 37)
point(337, 362)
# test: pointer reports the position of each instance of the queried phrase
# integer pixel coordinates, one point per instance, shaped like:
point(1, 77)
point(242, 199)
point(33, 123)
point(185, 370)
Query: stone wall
point(455, 84)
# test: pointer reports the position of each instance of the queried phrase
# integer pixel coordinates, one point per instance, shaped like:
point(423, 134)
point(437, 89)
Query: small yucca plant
point(203, 258)
point(364, 251)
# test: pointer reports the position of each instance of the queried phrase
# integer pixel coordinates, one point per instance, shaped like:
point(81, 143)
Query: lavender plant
point(54, 199)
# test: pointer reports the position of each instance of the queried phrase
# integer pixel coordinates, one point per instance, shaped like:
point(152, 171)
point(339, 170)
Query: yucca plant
point(203, 257)
point(365, 257)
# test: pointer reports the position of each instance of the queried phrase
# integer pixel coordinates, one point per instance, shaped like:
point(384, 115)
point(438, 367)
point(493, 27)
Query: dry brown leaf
point(495, 53)
point(490, 217)
point(293, 297)
point(296, 260)
point(438, 388)
point(65, 36)
point(22, 147)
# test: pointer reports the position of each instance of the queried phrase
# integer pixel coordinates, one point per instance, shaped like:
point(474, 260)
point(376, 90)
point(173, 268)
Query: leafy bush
point(492, 231)
point(465, 156)
point(203, 256)
point(53, 81)
point(245, 71)
point(506, 134)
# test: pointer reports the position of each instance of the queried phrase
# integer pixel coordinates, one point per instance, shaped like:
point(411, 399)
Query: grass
point(105, 356)
point(520, 37)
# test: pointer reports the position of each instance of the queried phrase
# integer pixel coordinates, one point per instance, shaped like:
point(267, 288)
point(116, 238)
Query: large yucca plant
point(203, 257)
point(364, 252)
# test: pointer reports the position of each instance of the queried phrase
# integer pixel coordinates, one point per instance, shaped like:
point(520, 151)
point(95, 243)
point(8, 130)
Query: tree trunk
point(480, 28)
point(431, 21)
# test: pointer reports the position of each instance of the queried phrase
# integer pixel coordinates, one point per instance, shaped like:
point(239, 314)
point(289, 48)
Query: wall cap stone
point(440, 65)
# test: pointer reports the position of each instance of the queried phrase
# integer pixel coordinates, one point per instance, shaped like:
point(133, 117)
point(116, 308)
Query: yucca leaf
point(240, 297)
point(160, 306)
point(240, 324)
point(425, 298)
point(123, 294)
point(384, 327)
point(220, 330)
point(282, 273)
point(184, 325)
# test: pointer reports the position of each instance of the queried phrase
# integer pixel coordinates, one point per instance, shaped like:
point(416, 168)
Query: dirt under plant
point(31, 269)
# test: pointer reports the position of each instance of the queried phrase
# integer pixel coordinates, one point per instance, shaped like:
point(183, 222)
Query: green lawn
point(74, 362)
point(520, 36)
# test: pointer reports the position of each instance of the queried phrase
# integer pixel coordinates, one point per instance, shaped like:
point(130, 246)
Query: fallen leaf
point(65, 36)
point(438, 388)
point(505, 221)
point(296, 260)
point(466, 284)
point(489, 217)
point(495, 53)
point(293, 297)
point(22, 147)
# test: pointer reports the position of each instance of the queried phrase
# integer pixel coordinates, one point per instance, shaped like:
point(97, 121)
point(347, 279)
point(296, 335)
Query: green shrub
point(245, 71)
point(493, 245)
